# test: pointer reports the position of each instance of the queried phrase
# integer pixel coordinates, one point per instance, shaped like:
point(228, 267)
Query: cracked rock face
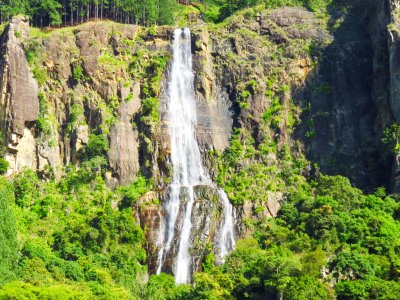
point(123, 154)
point(19, 103)
point(20, 87)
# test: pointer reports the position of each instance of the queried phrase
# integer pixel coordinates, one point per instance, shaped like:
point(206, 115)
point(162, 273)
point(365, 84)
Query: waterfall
point(188, 169)
point(227, 237)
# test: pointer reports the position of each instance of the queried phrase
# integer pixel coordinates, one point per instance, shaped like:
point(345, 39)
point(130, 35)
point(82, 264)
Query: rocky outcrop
point(19, 104)
point(88, 85)
point(123, 154)
point(150, 216)
point(215, 118)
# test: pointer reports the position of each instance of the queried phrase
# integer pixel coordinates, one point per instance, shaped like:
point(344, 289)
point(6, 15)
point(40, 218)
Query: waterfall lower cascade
point(188, 170)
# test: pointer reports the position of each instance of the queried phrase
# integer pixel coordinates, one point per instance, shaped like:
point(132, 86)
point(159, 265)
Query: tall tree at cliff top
point(144, 12)
point(56, 12)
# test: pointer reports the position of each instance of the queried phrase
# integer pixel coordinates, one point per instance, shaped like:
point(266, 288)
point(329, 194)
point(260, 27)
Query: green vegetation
point(218, 10)
point(328, 239)
point(78, 74)
point(8, 233)
point(4, 165)
point(46, 124)
point(144, 12)
point(71, 239)
point(391, 137)
point(135, 190)
point(74, 239)
point(97, 147)
point(76, 118)
point(56, 12)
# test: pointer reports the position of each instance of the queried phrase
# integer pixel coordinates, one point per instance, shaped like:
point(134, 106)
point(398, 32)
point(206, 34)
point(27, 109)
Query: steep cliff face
point(393, 20)
point(393, 23)
point(244, 74)
point(346, 98)
point(19, 104)
point(352, 96)
point(90, 81)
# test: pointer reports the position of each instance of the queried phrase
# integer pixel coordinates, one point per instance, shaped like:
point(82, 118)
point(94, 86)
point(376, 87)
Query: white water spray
point(188, 170)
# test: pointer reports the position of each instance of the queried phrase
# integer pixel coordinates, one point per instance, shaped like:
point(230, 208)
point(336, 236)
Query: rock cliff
point(19, 104)
point(349, 97)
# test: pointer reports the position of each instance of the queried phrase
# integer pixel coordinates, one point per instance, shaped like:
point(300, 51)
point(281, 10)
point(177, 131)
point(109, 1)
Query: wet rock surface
point(206, 221)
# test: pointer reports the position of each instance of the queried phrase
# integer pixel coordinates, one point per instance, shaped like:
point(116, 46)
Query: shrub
point(77, 73)
point(136, 189)
point(76, 117)
point(97, 146)
point(4, 165)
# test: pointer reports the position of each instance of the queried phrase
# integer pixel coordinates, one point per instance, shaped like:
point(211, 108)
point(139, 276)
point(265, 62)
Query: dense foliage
point(8, 233)
point(329, 239)
point(71, 238)
point(56, 12)
point(78, 239)
point(145, 12)
point(74, 239)
point(218, 10)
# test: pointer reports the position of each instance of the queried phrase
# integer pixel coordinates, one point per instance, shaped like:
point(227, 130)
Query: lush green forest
point(144, 12)
point(78, 240)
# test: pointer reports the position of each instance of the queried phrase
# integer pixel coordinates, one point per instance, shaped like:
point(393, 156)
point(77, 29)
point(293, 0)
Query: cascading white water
point(227, 237)
point(188, 170)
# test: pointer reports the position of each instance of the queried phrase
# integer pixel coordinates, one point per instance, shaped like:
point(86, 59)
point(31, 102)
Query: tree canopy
point(143, 12)
point(57, 12)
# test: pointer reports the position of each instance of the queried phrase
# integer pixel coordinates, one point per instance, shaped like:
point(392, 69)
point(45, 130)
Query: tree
point(391, 136)
point(166, 12)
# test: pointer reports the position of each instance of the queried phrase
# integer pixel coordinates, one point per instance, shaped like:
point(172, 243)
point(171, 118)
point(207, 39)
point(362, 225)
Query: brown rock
point(124, 143)
point(19, 103)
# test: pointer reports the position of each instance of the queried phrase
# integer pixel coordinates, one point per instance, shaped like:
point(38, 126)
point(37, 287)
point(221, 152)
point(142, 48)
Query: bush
point(97, 147)
point(4, 165)
point(26, 188)
point(77, 73)
point(76, 117)
point(137, 189)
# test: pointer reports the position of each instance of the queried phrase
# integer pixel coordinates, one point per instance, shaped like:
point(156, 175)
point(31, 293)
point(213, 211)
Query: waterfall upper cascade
point(188, 171)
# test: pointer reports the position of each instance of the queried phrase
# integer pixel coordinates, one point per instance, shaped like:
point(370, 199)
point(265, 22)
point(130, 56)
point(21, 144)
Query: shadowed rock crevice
point(346, 102)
